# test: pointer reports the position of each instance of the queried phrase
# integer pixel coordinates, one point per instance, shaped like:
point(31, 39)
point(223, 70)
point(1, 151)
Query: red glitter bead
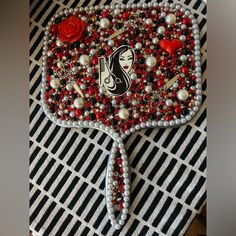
point(184, 69)
point(92, 90)
point(186, 20)
point(161, 82)
point(78, 112)
point(178, 110)
point(168, 117)
point(53, 29)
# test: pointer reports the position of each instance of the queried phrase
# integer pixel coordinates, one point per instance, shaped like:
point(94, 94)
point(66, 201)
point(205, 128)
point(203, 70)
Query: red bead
point(92, 90)
point(164, 63)
point(78, 112)
point(160, 83)
point(168, 117)
point(177, 110)
point(53, 29)
point(125, 15)
point(186, 20)
point(184, 69)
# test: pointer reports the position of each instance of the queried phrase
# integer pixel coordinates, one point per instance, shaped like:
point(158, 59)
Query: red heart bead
point(170, 46)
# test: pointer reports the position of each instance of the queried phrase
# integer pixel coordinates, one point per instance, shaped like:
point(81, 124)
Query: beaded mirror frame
point(119, 69)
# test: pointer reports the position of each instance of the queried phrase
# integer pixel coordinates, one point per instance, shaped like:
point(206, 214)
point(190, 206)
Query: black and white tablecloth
point(68, 166)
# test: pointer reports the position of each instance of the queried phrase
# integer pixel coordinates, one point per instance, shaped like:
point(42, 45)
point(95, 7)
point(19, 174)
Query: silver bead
point(134, 102)
point(155, 40)
point(151, 61)
point(92, 51)
point(69, 87)
point(133, 76)
point(183, 58)
point(79, 103)
point(104, 23)
point(123, 113)
point(182, 95)
point(148, 89)
point(84, 60)
point(182, 37)
point(55, 83)
point(169, 102)
point(111, 42)
point(161, 30)
point(170, 19)
point(138, 45)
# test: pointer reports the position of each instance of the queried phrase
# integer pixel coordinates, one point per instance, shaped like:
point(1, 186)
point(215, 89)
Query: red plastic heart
point(170, 46)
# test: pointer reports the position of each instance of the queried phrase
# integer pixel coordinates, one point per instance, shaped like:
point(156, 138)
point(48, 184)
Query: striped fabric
point(68, 166)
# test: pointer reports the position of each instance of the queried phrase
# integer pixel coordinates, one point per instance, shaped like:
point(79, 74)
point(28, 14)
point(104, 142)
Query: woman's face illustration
point(126, 60)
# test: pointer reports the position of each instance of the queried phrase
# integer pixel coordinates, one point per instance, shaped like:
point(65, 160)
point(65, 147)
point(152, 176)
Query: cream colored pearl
point(104, 23)
point(148, 89)
point(123, 113)
point(55, 83)
point(182, 95)
point(170, 19)
point(84, 60)
point(151, 61)
point(79, 103)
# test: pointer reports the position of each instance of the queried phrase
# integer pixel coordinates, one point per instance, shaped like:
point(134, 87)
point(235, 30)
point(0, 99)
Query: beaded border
point(118, 139)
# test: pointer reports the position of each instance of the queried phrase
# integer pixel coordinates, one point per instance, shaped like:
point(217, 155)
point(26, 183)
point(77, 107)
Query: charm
point(170, 46)
point(115, 75)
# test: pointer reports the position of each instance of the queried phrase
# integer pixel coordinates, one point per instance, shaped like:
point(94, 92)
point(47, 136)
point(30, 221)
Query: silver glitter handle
point(119, 220)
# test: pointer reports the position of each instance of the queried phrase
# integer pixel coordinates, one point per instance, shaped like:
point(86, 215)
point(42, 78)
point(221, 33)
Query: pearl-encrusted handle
point(118, 185)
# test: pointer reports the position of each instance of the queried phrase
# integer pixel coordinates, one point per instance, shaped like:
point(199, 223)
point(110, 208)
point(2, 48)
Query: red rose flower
point(71, 29)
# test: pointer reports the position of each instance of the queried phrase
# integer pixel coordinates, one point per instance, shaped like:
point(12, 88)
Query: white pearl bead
point(79, 103)
point(161, 30)
point(148, 89)
point(151, 61)
point(158, 72)
point(123, 113)
point(104, 23)
point(182, 95)
point(170, 19)
point(59, 42)
point(138, 45)
point(111, 42)
point(148, 21)
point(69, 87)
point(182, 37)
point(133, 76)
point(183, 58)
point(84, 60)
point(169, 102)
point(155, 40)
point(59, 64)
point(55, 83)
point(92, 51)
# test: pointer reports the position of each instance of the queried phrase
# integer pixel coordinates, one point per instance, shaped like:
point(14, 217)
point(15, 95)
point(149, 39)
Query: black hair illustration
point(121, 80)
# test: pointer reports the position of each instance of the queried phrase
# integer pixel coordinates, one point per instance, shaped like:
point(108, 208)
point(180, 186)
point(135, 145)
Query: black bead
point(126, 105)
point(71, 47)
point(119, 25)
point(63, 81)
point(153, 116)
point(142, 60)
point(74, 95)
point(114, 122)
point(185, 111)
point(102, 51)
point(93, 100)
point(136, 31)
point(192, 82)
point(185, 32)
point(56, 97)
point(57, 20)
point(160, 36)
point(50, 71)
point(68, 102)
point(141, 14)
point(149, 78)
point(92, 116)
